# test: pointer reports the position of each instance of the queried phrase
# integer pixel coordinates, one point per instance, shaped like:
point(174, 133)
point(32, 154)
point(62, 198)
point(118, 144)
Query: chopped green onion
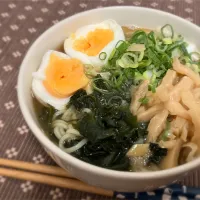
point(159, 49)
point(153, 83)
point(127, 62)
point(138, 76)
point(144, 100)
point(90, 71)
point(144, 63)
point(147, 56)
point(159, 73)
point(112, 54)
point(151, 67)
point(117, 80)
point(119, 43)
point(176, 53)
point(184, 49)
point(153, 78)
point(152, 38)
point(102, 56)
point(136, 47)
point(148, 74)
point(166, 132)
point(152, 87)
point(121, 46)
point(175, 45)
point(95, 87)
point(167, 31)
point(105, 75)
point(167, 40)
point(153, 55)
point(185, 59)
point(141, 56)
point(195, 56)
point(139, 37)
point(194, 67)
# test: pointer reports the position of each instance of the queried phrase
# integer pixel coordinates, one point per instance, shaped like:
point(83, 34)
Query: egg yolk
point(94, 42)
point(64, 76)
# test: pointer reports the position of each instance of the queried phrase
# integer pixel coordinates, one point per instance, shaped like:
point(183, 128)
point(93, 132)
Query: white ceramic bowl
point(54, 37)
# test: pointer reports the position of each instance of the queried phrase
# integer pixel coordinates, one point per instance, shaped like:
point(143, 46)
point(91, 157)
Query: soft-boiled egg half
point(57, 78)
point(93, 44)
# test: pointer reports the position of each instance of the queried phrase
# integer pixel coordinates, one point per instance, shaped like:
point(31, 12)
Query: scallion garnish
point(144, 100)
point(128, 60)
point(153, 83)
point(141, 56)
point(166, 132)
point(161, 49)
point(167, 31)
point(167, 40)
point(139, 37)
point(112, 54)
point(102, 56)
point(119, 43)
point(195, 56)
point(176, 44)
point(148, 56)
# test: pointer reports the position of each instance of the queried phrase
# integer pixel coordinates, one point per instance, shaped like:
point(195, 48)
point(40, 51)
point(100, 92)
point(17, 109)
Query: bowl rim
point(45, 141)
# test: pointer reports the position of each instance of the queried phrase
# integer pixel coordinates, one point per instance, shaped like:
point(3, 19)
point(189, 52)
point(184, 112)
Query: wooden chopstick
point(56, 176)
point(46, 169)
point(56, 181)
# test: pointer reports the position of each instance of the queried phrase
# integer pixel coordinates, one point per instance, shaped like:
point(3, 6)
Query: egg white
point(83, 31)
point(39, 91)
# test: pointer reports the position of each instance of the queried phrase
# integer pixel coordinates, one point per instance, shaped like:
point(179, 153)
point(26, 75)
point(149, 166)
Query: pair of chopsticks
point(45, 174)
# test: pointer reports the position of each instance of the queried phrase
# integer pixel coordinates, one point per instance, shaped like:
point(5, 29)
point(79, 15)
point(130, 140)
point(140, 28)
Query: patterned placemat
point(21, 22)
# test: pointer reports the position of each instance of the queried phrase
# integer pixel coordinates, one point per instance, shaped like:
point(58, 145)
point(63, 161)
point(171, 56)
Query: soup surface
point(122, 98)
